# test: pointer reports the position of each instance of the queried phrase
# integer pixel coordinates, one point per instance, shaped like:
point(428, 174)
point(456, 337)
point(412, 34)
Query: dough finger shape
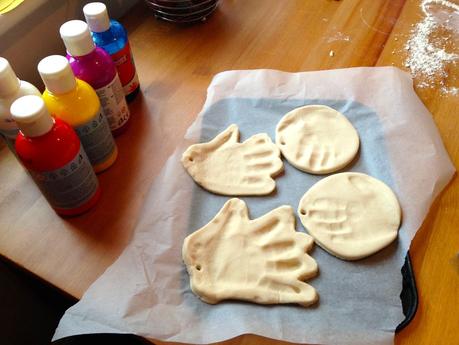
point(351, 215)
point(263, 260)
point(225, 166)
point(317, 139)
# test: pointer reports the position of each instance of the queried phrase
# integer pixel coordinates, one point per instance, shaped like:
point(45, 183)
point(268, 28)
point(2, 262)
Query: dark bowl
point(170, 8)
point(186, 11)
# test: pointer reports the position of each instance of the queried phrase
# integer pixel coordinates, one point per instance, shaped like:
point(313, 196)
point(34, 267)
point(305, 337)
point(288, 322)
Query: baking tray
point(409, 294)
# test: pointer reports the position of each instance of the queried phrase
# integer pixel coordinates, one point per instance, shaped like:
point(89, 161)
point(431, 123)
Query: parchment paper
point(146, 291)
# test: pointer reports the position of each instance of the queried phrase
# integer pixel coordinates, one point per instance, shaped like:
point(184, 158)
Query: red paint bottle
point(52, 153)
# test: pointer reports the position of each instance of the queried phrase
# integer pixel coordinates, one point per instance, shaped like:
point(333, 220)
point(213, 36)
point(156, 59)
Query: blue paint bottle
point(111, 36)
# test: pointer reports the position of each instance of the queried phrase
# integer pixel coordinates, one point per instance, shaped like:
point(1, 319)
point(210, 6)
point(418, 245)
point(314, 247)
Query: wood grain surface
point(175, 65)
point(435, 249)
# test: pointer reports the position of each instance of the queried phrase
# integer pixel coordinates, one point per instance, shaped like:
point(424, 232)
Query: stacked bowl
point(182, 11)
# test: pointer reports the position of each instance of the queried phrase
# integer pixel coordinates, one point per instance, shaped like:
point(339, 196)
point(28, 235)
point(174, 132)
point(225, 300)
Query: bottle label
point(131, 86)
point(97, 139)
point(70, 186)
point(125, 66)
point(113, 103)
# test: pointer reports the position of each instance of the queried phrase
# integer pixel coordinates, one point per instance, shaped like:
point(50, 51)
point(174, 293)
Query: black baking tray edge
point(408, 296)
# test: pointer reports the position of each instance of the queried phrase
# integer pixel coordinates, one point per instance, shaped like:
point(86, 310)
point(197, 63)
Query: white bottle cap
point(9, 82)
point(31, 116)
point(57, 75)
point(96, 16)
point(77, 38)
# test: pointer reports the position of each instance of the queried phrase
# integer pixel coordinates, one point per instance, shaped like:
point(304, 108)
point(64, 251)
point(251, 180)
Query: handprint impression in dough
point(262, 260)
point(351, 215)
point(317, 139)
point(313, 152)
point(333, 216)
point(225, 166)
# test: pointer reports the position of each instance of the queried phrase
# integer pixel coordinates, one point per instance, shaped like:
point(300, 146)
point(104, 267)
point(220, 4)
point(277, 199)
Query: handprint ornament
point(351, 215)
point(263, 260)
point(225, 166)
point(317, 139)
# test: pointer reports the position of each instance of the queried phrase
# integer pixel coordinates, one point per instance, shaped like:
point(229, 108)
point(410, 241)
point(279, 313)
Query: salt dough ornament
point(317, 139)
point(263, 260)
point(351, 215)
point(225, 166)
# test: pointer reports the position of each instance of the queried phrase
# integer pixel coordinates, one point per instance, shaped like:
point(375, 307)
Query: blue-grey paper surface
point(358, 286)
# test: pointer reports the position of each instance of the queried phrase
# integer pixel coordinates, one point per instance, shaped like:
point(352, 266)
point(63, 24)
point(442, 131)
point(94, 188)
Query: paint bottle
point(95, 66)
point(11, 88)
point(51, 151)
point(111, 36)
point(76, 102)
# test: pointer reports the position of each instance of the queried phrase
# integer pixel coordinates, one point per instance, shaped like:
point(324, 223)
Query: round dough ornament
point(317, 139)
point(350, 215)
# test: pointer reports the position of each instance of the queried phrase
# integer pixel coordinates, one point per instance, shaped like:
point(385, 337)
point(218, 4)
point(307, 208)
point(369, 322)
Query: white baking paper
point(146, 291)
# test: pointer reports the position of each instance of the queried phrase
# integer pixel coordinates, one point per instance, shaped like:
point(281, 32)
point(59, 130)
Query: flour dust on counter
point(433, 46)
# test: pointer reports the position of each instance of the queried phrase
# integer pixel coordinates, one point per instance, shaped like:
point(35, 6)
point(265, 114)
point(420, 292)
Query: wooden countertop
point(175, 65)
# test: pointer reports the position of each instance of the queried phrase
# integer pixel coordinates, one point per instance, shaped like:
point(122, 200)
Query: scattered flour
point(339, 36)
point(432, 46)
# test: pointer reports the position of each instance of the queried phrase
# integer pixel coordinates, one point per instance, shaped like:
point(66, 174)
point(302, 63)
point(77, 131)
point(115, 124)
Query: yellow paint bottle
point(76, 102)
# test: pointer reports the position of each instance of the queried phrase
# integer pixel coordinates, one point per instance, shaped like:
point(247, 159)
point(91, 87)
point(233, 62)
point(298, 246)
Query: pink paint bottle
point(95, 66)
